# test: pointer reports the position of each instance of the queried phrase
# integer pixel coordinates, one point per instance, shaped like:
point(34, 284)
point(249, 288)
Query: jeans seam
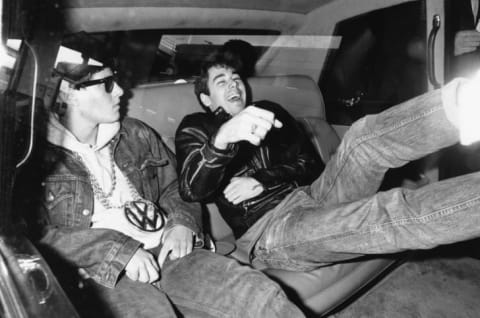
point(375, 134)
point(194, 305)
point(377, 227)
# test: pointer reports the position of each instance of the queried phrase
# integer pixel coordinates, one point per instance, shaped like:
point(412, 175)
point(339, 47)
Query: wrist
point(219, 140)
point(219, 143)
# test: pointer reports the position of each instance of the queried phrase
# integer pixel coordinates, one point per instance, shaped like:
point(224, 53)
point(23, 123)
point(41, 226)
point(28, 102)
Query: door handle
point(436, 22)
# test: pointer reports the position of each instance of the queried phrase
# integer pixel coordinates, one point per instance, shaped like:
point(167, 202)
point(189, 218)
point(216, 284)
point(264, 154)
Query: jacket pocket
point(59, 198)
point(149, 173)
point(150, 165)
point(153, 162)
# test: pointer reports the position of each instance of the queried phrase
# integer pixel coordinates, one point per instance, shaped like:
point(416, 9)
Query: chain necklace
point(143, 214)
point(104, 198)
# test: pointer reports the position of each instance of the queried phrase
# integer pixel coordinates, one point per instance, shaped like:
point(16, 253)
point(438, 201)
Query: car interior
point(328, 62)
point(163, 107)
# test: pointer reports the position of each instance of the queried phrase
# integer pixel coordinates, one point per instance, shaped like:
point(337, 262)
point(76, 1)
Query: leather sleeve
point(295, 160)
point(201, 166)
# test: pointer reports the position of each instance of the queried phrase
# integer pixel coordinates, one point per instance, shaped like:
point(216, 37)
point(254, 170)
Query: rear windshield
point(147, 56)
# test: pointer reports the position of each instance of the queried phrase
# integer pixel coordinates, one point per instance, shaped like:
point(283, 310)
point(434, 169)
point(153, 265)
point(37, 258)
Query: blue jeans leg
point(341, 217)
point(304, 237)
point(129, 299)
point(376, 143)
point(205, 284)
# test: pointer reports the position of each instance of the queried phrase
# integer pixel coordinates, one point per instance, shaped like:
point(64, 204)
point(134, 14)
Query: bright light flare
point(5, 59)
point(469, 111)
point(3, 55)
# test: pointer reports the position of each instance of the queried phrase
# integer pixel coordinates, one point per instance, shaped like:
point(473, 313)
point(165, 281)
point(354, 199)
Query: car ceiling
point(298, 6)
point(288, 17)
point(285, 16)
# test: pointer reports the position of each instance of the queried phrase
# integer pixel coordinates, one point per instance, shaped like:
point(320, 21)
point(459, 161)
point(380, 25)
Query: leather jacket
point(285, 160)
point(61, 201)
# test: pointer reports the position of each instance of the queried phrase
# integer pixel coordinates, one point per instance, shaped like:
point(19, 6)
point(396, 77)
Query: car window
point(380, 62)
point(8, 57)
point(146, 56)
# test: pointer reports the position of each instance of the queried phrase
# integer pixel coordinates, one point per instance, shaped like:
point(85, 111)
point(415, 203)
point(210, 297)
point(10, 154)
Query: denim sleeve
point(179, 211)
point(59, 228)
point(201, 165)
point(102, 253)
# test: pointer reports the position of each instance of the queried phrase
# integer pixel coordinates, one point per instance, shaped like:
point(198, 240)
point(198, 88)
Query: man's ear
point(205, 100)
point(66, 93)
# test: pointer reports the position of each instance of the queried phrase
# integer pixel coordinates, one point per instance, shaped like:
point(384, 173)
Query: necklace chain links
point(141, 213)
point(106, 198)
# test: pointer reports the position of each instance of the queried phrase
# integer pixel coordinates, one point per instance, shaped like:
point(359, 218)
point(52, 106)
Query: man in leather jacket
point(244, 179)
point(104, 200)
point(340, 216)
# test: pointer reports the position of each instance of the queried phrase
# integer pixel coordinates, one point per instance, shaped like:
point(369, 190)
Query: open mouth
point(234, 98)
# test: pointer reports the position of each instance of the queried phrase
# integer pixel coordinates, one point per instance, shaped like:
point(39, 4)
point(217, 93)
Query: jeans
point(201, 284)
point(341, 216)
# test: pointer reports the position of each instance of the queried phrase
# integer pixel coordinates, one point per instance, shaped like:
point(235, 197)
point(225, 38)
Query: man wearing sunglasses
point(109, 82)
point(107, 203)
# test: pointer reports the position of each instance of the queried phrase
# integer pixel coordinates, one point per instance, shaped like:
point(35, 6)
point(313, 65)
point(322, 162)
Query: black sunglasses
point(109, 82)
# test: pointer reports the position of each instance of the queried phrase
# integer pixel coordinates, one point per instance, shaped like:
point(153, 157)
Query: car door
point(28, 288)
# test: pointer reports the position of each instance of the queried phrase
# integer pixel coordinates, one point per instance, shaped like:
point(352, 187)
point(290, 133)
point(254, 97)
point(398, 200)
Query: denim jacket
point(61, 208)
point(284, 160)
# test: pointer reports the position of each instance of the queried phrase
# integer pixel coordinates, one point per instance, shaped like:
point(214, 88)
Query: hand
point(241, 189)
point(143, 267)
point(251, 124)
point(466, 41)
point(177, 242)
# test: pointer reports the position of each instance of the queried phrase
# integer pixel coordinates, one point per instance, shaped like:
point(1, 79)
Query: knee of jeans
point(260, 283)
point(268, 299)
point(356, 131)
